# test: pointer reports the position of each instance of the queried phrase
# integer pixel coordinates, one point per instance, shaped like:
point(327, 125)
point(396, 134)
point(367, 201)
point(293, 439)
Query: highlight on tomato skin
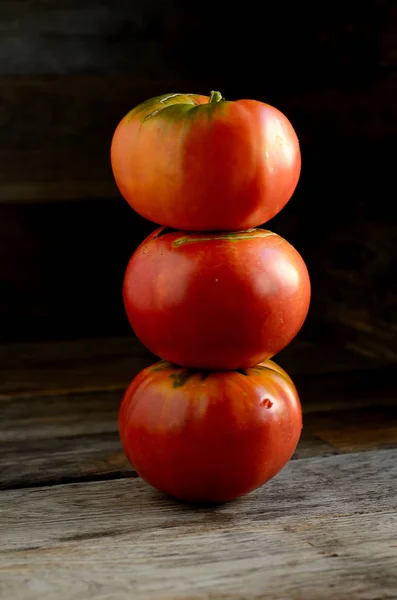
point(216, 301)
point(205, 436)
point(205, 163)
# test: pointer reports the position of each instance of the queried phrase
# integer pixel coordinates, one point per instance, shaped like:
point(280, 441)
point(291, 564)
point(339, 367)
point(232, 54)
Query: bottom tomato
point(209, 436)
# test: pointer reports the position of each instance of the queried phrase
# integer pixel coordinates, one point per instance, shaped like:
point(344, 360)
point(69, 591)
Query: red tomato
point(201, 163)
point(210, 437)
point(216, 300)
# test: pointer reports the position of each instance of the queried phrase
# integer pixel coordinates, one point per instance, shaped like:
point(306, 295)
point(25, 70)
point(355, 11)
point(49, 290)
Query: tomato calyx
point(215, 97)
point(181, 375)
point(215, 235)
point(230, 236)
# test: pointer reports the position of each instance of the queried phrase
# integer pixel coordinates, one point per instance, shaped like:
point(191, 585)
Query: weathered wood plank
point(65, 36)
point(66, 124)
point(70, 70)
point(97, 363)
point(355, 291)
point(323, 528)
point(71, 365)
point(58, 36)
point(93, 457)
point(351, 262)
point(65, 281)
point(354, 429)
point(323, 561)
point(50, 439)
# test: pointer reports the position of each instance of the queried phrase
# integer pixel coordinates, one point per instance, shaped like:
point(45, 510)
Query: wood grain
point(65, 282)
point(323, 528)
point(354, 290)
point(51, 439)
point(97, 363)
point(71, 365)
point(47, 439)
point(50, 277)
point(70, 70)
point(67, 124)
point(67, 36)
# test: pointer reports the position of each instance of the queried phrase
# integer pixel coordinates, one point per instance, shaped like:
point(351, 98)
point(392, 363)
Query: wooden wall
point(70, 69)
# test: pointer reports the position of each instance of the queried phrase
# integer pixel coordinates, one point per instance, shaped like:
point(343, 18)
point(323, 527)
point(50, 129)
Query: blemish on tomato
point(266, 403)
point(154, 112)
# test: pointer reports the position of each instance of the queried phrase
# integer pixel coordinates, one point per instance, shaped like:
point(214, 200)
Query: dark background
point(69, 71)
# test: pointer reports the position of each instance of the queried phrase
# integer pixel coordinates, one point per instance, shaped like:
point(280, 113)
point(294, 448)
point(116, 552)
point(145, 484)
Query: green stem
point(215, 97)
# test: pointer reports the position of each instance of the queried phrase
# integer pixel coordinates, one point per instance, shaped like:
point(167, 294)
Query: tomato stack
point(211, 293)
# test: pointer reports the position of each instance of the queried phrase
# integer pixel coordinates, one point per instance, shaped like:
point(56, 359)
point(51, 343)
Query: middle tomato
point(216, 301)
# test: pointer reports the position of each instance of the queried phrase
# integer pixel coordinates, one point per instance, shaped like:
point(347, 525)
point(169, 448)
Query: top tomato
point(201, 163)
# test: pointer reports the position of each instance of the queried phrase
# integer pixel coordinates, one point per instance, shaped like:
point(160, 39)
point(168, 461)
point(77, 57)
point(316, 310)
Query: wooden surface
point(67, 124)
point(76, 521)
point(70, 69)
point(324, 528)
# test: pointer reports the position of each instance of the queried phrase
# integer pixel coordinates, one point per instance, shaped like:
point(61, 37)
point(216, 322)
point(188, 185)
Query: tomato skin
point(187, 163)
point(209, 437)
point(216, 300)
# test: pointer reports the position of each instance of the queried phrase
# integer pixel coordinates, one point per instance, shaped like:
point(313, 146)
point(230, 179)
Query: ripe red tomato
point(202, 163)
point(216, 300)
point(210, 437)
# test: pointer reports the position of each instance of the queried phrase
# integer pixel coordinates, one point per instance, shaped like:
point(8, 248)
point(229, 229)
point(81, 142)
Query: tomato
point(205, 436)
point(216, 300)
point(202, 163)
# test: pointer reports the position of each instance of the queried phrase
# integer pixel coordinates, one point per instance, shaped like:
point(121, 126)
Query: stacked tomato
point(210, 293)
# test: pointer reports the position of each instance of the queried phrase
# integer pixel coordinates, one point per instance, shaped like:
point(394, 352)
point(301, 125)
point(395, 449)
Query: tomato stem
point(215, 97)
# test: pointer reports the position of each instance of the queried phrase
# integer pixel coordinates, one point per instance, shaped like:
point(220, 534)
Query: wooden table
point(77, 523)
